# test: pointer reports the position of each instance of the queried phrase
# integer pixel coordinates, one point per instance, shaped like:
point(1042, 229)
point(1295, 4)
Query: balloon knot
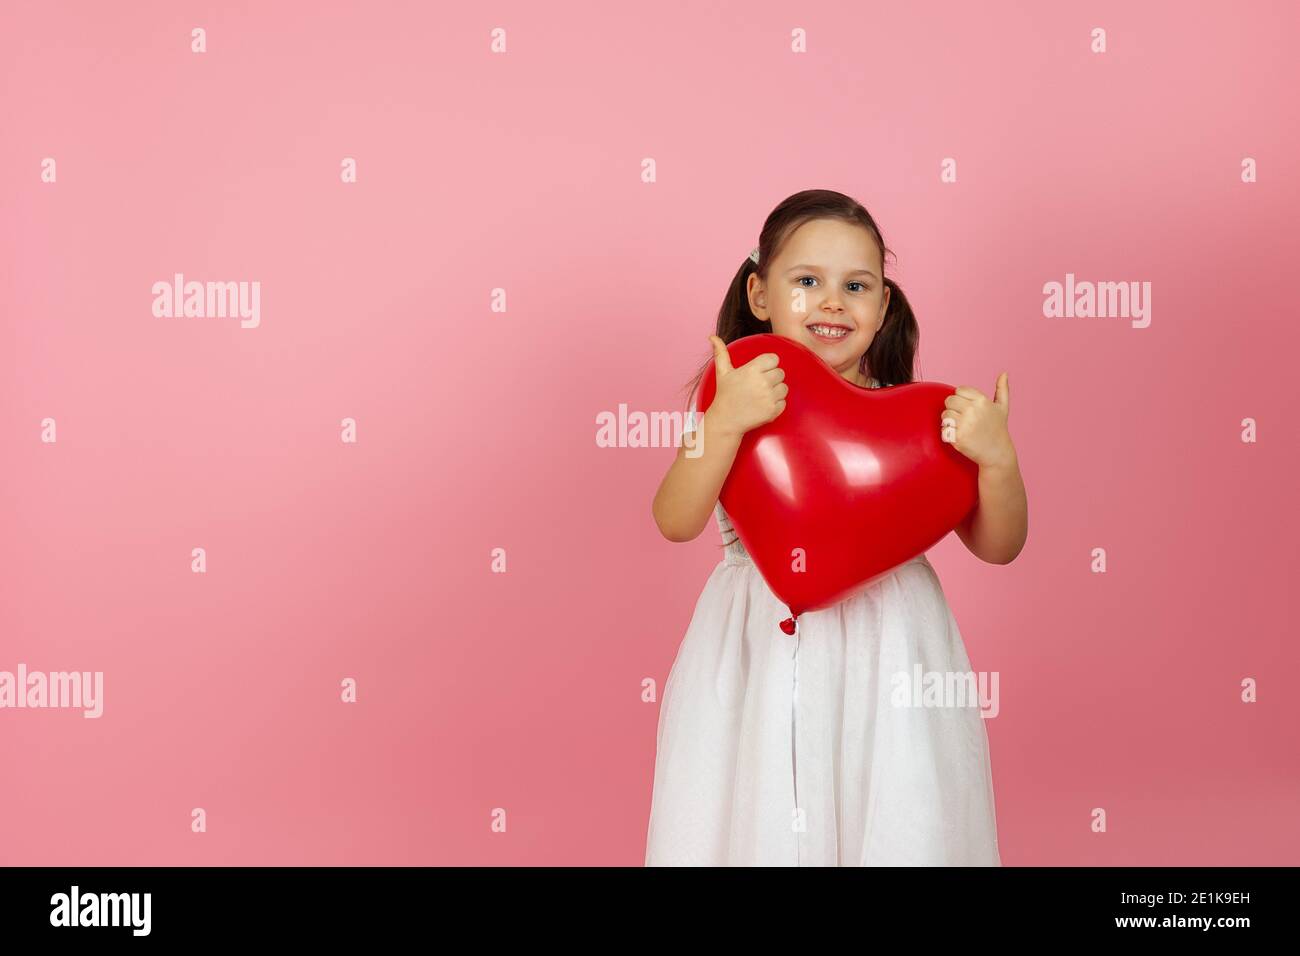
point(788, 625)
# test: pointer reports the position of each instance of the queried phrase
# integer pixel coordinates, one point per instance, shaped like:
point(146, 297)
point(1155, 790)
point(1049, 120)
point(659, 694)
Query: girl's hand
point(749, 396)
point(977, 426)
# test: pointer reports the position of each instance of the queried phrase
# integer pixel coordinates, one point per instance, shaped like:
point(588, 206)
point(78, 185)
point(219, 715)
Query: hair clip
point(754, 255)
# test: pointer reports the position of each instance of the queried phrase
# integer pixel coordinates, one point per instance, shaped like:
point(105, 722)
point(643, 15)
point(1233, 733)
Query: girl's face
point(825, 289)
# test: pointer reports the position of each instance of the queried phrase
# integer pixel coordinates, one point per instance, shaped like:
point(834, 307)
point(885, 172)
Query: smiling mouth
point(828, 331)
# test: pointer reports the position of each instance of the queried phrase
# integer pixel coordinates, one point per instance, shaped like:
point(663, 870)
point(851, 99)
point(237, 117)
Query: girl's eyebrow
point(855, 272)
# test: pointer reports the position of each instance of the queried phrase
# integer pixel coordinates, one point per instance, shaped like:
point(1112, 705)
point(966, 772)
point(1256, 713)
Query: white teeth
point(829, 332)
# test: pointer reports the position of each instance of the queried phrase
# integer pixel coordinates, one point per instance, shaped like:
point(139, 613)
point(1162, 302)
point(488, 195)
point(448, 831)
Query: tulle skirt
point(816, 749)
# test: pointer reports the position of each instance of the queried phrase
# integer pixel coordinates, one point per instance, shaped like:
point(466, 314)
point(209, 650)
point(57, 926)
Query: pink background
point(476, 429)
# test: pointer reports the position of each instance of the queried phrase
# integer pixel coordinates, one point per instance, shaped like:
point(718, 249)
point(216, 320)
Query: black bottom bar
point(368, 904)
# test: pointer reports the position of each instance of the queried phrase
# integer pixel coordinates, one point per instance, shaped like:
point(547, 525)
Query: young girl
point(777, 750)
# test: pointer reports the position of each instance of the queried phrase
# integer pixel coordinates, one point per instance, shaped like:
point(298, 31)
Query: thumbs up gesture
point(746, 397)
point(977, 426)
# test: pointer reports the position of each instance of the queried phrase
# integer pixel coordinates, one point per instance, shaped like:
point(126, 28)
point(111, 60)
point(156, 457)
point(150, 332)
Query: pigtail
point(891, 356)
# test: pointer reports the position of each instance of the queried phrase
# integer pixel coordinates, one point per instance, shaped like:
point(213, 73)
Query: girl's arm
point(689, 491)
point(996, 528)
point(746, 397)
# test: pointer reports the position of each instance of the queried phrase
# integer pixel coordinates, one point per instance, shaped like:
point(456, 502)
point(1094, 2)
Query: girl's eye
point(854, 282)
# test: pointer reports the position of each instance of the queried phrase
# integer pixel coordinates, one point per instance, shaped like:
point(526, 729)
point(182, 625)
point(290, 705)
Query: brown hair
point(892, 353)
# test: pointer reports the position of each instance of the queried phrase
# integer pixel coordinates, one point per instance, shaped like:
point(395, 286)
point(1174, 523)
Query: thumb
point(721, 357)
point(1002, 392)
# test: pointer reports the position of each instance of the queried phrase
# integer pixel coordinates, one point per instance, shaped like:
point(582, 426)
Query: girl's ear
point(750, 283)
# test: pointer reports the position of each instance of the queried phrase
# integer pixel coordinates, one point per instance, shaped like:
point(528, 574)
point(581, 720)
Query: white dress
point(778, 750)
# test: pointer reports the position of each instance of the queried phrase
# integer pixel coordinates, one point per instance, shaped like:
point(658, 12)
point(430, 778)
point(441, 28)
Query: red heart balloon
point(857, 478)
